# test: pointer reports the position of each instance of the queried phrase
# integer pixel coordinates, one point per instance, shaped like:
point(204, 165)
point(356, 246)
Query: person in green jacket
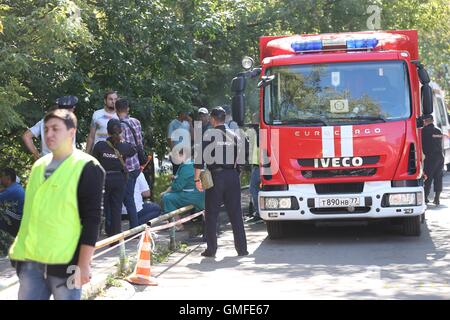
point(182, 191)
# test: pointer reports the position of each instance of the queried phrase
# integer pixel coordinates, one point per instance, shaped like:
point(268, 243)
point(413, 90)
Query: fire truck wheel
point(275, 229)
point(412, 226)
point(448, 167)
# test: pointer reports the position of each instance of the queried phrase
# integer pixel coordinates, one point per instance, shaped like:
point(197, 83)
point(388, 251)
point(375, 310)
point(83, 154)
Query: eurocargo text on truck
point(340, 118)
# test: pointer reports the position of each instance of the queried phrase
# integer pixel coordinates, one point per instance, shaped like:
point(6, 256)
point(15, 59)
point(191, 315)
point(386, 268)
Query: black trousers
point(115, 184)
point(226, 190)
point(433, 168)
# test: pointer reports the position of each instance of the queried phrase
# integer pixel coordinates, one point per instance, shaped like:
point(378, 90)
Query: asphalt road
point(358, 262)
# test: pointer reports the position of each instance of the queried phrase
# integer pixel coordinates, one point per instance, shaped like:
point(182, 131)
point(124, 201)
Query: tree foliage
point(166, 55)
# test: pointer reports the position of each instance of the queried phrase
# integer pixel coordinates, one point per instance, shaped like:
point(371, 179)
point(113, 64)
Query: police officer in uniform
point(227, 188)
point(434, 158)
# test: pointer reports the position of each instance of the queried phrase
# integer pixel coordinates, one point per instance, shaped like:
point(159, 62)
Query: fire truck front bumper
point(376, 201)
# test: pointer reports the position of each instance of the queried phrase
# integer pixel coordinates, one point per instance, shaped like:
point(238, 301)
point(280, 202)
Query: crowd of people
point(72, 195)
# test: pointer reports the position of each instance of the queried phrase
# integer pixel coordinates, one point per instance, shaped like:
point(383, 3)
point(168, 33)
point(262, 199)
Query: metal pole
point(123, 261)
point(172, 244)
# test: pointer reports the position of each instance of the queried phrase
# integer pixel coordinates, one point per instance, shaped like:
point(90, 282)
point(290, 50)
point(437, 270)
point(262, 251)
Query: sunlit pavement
point(373, 262)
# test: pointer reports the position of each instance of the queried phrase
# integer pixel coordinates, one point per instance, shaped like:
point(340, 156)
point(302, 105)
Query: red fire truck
point(340, 118)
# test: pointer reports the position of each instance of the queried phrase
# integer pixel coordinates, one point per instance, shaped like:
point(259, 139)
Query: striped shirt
point(132, 163)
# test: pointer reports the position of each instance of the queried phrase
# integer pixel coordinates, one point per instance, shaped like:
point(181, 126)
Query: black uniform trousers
point(433, 168)
point(226, 190)
point(115, 184)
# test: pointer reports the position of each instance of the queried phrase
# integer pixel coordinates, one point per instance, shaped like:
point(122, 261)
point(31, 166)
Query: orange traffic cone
point(141, 274)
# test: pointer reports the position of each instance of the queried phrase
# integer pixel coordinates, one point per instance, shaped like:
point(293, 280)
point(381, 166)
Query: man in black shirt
point(40, 265)
point(434, 158)
point(223, 163)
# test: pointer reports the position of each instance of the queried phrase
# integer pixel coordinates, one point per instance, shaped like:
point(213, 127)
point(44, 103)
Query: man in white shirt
point(145, 210)
point(100, 118)
point(36, 131)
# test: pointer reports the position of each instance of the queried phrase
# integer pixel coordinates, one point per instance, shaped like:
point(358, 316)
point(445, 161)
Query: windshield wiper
point(303, 121)
point(380, 118)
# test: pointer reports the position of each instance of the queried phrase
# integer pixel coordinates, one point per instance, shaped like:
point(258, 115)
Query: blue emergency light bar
point(318, 45)
point(307, 45)
point(362, 43)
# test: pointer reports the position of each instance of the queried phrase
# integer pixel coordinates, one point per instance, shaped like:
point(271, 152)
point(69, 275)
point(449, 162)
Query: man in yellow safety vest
point(63, 203)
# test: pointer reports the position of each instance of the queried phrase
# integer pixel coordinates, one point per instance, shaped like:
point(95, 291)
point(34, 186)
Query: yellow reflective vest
point(51, 227)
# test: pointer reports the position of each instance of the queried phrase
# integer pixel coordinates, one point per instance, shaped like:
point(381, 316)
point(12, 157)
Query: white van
point(442, 120)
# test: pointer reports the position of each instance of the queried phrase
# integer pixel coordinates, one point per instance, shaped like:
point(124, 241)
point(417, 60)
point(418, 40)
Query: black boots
point(436, 198)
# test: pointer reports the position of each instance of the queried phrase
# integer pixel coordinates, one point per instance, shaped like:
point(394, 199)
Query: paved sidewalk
point(107, 265)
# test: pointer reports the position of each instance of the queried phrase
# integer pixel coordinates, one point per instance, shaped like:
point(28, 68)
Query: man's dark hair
point(69, 119)
point(122, 105)
point(9, 172)
point(107, 93)
point(218, 114)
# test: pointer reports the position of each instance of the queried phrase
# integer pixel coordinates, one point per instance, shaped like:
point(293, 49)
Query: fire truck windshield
point(337, 93)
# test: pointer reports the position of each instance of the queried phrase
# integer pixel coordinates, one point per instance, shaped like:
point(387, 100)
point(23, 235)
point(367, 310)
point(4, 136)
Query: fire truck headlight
point(402, 199)
point(285, 203)
point(247, 63)
point(272, 203)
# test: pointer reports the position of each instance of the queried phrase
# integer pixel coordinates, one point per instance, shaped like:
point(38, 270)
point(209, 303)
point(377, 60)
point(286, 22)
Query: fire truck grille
point(366, 161)
point(312, 174)
point(339, 188)
point(339, 210)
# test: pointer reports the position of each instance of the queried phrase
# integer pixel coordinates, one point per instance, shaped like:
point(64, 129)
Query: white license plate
point(338, 202)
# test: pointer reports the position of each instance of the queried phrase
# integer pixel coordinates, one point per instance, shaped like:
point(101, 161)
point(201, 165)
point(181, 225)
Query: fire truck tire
point(448, 167)
point(275, 229)
point(412, 226)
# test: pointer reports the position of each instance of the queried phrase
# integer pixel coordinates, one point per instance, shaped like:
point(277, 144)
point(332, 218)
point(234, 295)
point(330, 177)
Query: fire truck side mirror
point(427, 99)
point(238, 100)
point(238, 108)
point(238, 84)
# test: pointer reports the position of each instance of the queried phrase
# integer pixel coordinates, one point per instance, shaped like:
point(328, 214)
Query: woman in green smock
point(183, 192)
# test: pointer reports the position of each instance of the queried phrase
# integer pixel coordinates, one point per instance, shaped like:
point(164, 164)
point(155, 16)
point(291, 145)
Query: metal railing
point(131, 234)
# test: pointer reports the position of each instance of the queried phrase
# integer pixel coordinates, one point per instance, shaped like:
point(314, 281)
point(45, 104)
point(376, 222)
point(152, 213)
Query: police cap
point(203, 110)
point(427, 117)
point(66, 102)
point(218, 112)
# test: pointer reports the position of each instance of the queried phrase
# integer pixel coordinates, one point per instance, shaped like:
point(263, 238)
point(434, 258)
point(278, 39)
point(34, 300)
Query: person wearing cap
point(36, 131)
point(98, 131)
point(203, 116)
point(53, 250)
point(221, 153)
point(229, 122)
point(112, 155)
point(180, 130)
point(434, 158)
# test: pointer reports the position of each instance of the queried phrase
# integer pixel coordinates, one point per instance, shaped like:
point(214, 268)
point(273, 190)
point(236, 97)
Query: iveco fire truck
point(340, 118)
